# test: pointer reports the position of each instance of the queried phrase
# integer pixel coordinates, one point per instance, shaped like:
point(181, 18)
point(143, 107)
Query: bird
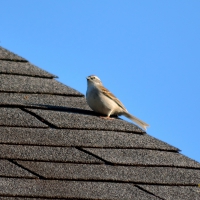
point(102, 101)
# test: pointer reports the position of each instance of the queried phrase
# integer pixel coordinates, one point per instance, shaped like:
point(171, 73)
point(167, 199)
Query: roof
point(52, 146)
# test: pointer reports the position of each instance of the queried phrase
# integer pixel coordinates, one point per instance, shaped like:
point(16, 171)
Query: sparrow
point(102, 101)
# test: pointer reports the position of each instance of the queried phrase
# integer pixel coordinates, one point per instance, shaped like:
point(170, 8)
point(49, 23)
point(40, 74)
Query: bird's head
point(94, 80)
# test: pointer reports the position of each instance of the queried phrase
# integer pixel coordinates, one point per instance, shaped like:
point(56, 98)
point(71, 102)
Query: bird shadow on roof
point(68, 109)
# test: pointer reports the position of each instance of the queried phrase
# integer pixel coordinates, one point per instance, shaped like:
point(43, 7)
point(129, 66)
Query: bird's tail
point(142, 124)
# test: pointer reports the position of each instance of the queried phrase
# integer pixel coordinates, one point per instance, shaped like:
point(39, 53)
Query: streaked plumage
point(102, 101)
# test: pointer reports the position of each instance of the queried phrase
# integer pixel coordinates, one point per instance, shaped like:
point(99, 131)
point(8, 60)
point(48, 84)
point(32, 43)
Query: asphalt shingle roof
point(52, 146)
point(28, 84)
point(23, 68)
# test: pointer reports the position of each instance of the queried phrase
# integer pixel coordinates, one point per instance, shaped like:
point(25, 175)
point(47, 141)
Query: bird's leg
point(108, 116)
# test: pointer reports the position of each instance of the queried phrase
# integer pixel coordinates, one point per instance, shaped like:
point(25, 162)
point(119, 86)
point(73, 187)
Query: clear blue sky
point(146, 52)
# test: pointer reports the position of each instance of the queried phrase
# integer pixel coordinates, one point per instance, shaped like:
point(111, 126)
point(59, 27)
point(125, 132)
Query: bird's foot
point(107, 117)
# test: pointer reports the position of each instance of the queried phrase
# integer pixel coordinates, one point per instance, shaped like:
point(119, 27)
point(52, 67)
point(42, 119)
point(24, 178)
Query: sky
point(147, 53)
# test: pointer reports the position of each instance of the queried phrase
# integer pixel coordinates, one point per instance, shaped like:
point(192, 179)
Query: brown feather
point(107, 93)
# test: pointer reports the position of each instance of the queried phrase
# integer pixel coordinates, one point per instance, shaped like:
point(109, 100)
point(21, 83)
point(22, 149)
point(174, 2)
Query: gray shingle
point(151, 175)
point(44, 101)
point(85, 121)
point(27, 84)
point(80, 138)
point(23, 68)
point(71, 189)
point(22, 198)
point(42, 153)
point(8, 169)
point(83, 156)
point(144, 157)
point(7, 55)
point(17, 117)
point(174, 192)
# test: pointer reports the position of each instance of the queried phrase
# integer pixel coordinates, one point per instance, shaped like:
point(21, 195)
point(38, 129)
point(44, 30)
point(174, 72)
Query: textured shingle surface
point(174, 192)
point(46, 101)
point(56, 154)
point(80, 138)
point(52, 146)
point(152, 175)
point(22, 198)
point(85, 121)
point(26, 84)
point(71, 189)
point(144, 157)
point(8, 169)
point(23, 68)
point(7, 55)
point(17, 117)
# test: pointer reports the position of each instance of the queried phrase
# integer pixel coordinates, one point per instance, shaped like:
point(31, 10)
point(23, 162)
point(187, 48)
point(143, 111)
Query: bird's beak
point(87, 78)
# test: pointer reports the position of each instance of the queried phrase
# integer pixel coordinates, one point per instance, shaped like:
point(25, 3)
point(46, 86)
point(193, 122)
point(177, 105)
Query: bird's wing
point(107, 93)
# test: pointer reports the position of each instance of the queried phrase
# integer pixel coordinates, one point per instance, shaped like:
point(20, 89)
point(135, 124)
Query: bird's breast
point(100, 103)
